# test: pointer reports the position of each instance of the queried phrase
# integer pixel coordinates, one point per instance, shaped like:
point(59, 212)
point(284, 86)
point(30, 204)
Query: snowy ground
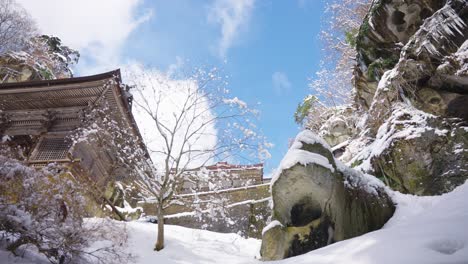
point(423, 230)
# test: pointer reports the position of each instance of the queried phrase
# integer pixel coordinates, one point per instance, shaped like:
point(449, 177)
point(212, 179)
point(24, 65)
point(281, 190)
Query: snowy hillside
point(423, 230)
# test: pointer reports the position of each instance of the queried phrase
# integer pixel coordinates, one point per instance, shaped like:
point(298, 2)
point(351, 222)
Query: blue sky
point(268, 48)
point(281, 38)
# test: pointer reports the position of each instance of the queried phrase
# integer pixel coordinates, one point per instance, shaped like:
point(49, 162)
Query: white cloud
point(281, 83)
point(174, 67)
point(233, 16)
point(97, 28)
point(156, 86)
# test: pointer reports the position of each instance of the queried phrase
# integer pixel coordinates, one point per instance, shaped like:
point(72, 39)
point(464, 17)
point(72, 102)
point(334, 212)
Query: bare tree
point(16, 26)
point(332, 84)
point(338, 36)
point(187, 123)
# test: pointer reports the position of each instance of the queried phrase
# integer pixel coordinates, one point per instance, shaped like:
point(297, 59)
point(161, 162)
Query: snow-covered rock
point(41, 58)
point(317, 200)
point(411, 90)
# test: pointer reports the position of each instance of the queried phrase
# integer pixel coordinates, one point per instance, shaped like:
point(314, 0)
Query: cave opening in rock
point(318, 237)
point(398, 18)
point(457, 107)
point(305, 211)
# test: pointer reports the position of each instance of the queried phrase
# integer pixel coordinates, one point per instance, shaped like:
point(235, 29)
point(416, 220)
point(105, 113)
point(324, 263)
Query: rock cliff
point(411, 86)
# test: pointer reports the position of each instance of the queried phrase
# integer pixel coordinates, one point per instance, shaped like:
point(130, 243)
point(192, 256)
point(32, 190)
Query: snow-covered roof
point(227, 166)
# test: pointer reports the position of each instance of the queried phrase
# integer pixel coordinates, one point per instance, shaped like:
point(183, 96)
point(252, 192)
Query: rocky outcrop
point(416, 152)
point(412, 89)
point(16, 67)
point(420, 42)
point(42, 58)
point(317, 200)
point(339, 127)
point(388, 26)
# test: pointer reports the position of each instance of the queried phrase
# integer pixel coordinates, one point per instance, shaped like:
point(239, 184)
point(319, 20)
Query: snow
point(425, 230)
point(309, 137)
point(29, 257)
point(127, 209)
point(184, 245)
point(235, 101)
point(341, 145)
point(406, 122)
point(442, 132)
point(299, 156)
point(359, 180)
point(296, 155)
point(462, 55)
point(271, 225)
point(458, 148)
point(385, 82)
point(442, 25)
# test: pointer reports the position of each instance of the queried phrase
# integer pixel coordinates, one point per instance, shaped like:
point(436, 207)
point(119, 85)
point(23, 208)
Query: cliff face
point(411, 86)
point(41, 58)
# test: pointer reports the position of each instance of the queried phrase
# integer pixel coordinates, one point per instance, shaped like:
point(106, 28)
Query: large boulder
point(317, 201)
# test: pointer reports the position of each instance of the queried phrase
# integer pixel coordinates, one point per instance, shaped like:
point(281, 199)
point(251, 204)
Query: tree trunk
point(160, 241)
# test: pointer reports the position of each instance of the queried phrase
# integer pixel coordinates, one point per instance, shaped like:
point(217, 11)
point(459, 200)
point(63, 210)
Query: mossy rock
point(431, 164)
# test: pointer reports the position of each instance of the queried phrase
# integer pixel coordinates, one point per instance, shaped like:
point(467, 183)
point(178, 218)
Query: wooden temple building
point(40, 115)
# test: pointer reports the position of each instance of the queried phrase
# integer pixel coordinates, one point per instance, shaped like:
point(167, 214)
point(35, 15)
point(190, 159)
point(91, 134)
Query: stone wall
point(247, 211)
point(245, 218)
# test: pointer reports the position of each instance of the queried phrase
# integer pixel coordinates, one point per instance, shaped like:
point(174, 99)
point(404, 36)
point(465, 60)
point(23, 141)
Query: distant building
point(230, 175)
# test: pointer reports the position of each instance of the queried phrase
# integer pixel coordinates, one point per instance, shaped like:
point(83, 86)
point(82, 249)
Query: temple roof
point(56, 106)
point(33, 108)
point(61, 93)
point(65, 81)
